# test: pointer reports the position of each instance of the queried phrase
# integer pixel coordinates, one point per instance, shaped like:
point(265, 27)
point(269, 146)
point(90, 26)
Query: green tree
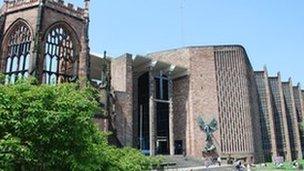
point(45, 127)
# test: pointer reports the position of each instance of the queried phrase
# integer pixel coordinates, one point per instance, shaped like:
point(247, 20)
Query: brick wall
point(302, 93)
point(300, 111)
point(30, 16)
point(202, 98)
point(298, 102)
point(205, 97)
point(266, 116)
point(122, 85)
point(52, 17)
point(96, 67)
point(255, 115)
point(180, 108)
point(292, 121)
point(282, 134)
point(238, 108)
point(303, 96)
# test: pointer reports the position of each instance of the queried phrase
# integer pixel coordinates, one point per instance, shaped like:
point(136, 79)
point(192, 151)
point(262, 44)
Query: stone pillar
point(294, 117)
point(2, 52)
point(152, 136)
point(84, 56)
point(287, 149)
point(171, 121)
point(300, 109)
point(273, 140)
point(37, 55)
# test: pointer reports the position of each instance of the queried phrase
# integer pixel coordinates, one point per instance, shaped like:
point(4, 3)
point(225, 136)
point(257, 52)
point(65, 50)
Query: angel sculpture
point(104, 80)
point(208, 129)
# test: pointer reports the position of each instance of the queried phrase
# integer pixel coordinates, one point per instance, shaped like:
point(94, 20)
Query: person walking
point(219, 161)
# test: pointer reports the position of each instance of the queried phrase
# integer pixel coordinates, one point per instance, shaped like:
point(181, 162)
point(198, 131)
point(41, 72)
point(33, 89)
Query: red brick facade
point(154, 101)
point(216, 77)
point(219, 83)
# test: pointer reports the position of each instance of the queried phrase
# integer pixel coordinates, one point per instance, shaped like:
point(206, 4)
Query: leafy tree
point(45, 127)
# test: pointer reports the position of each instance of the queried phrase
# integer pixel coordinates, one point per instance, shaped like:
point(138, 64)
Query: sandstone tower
point(44, 38)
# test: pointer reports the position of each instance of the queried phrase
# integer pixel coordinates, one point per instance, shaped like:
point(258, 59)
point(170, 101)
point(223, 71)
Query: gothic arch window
point(60, 61)
point(18, 53)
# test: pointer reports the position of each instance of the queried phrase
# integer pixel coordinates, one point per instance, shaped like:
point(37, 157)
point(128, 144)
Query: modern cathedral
point(198, 101)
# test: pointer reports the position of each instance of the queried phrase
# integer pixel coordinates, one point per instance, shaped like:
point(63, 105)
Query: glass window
point(161, 85)
point(17, 58)
point(60, 64)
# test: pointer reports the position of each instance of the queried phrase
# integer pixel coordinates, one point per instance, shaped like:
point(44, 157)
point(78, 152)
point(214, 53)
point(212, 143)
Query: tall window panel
point(60, 64)
point(18, 53)
point(162, 83)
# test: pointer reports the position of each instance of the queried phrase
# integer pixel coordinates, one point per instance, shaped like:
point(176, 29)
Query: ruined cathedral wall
point(39, 16)
point(2, 19)
point(52, 15)
point(29, 15)
point(13, 14)
point(53, 12)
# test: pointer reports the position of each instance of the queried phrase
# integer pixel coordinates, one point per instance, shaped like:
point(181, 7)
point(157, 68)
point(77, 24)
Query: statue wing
point(201, 122)
point(213, 125)
point(104, 81)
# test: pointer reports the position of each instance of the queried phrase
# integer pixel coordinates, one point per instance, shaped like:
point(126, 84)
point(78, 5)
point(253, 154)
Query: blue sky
point(272, 31)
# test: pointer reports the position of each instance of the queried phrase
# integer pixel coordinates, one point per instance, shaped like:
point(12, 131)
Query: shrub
point(47, 127)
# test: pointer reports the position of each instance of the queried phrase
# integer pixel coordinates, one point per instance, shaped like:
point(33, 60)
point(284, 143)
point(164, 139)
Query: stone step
point(182, 162)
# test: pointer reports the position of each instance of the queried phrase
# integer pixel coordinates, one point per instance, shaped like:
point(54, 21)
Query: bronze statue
point(208, 129)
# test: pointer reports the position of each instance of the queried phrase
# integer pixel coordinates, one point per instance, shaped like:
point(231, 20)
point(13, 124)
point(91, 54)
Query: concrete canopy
point(142, 64)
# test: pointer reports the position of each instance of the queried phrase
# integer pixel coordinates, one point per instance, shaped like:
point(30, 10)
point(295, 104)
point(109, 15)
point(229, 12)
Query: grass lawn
point(272, 167)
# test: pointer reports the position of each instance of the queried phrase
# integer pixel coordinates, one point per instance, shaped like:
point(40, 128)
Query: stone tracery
point(60, 61)
point(18, 52)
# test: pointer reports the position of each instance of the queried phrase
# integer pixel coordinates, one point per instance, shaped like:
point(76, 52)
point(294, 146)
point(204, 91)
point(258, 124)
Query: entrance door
point(162, 144)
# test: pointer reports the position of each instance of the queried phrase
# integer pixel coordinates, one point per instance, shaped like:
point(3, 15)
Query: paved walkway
point(181, 163)
point(203, 168)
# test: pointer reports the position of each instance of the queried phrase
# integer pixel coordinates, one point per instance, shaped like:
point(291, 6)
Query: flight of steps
point(179, 161)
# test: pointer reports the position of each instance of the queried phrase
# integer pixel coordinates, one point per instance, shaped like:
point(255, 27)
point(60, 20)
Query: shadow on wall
point(180, 108)
point(121, 125)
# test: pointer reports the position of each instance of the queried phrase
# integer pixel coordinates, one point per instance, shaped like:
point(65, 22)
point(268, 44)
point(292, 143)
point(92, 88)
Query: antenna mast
point(182, 6)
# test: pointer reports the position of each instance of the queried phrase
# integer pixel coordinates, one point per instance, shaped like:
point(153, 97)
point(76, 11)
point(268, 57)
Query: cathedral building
point(198, 101)
point(160, 96)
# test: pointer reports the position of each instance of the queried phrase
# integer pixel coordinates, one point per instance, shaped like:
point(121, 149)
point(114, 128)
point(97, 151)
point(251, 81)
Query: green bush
point(45, 127)
point(129, 159)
